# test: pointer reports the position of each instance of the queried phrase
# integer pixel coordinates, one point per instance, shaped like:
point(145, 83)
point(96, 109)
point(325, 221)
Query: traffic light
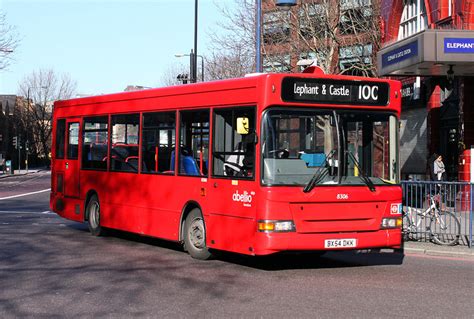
point(183, 78)
point(15, 141)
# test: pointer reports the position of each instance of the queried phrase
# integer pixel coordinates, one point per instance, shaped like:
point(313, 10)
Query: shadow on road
point(313, 260)
point(274, 262)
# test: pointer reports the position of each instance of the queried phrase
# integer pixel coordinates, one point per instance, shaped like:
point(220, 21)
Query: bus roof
point(269, 82)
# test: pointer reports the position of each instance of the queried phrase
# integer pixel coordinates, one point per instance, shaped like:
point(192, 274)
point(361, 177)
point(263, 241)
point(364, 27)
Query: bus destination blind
point(335, 91)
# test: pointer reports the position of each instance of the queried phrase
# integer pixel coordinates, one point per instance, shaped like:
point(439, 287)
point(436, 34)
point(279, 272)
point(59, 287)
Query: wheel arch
point(187, 208)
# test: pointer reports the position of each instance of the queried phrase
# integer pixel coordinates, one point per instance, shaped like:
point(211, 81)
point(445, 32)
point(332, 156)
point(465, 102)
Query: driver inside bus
point(241, 164)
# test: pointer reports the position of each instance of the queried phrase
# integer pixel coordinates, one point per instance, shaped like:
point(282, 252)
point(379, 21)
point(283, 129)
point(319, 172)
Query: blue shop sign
point(399, 54)
point(458, 45)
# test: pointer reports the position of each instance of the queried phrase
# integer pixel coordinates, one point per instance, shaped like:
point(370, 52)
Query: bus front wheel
point(93, 213)
point(195, 236)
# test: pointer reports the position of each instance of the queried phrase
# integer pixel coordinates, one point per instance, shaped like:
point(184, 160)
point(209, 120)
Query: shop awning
point(429, 53)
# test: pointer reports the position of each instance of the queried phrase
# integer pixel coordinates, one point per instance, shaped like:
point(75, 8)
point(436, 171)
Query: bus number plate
point(340, 243)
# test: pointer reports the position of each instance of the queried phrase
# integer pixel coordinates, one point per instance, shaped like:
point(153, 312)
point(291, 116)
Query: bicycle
point(444, 227)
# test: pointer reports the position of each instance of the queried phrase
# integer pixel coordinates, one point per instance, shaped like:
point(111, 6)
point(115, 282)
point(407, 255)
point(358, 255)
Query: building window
point(355, 16)
point(356, 60)
point(313, 20)
point(277, 63)
point(413, 19)
point(95, 143)
point(125, 137)
point(159, 131)
point(276, 27)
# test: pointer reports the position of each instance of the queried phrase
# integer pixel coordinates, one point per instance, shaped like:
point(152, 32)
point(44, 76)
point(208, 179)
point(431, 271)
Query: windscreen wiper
point(320, 173)
point(362, 175)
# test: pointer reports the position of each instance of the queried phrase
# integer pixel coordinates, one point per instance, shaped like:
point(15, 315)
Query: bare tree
point(342, 35)
point(41, 89)
point(232, 64)
point(9, 41)
point(233, 47)
point(170, 75)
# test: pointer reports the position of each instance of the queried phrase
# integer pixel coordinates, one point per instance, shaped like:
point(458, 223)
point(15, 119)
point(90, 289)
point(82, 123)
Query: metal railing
point(441, 212)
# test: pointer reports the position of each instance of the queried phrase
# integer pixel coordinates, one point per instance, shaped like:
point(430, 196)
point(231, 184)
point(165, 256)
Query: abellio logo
point(244, 198)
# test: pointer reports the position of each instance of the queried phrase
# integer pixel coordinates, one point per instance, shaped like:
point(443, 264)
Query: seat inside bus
point(187, 163)
point(95, 152)
point(124, 158)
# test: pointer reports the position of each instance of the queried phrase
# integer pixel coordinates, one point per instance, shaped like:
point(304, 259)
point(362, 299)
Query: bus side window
point(159, 134)
point(125, 138)
point(60, 138)
point(73, 141)
point(234, 147)
point(95, 143)
point(193, 157)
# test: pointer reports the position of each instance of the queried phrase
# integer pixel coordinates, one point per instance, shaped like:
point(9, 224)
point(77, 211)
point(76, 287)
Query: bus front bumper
point(268, 243)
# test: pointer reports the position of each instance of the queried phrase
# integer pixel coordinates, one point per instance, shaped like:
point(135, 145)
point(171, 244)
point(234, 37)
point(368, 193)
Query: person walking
point(439, 169)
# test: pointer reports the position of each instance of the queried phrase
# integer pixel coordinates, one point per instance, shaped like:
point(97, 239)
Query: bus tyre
point(93, 213)
point(195, 236)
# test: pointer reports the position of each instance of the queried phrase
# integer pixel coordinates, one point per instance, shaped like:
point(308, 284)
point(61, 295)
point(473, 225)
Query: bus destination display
point(335, 91)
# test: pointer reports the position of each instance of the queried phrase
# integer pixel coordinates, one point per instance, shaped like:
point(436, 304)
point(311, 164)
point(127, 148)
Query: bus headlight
point(276, 226)
point(391, 223)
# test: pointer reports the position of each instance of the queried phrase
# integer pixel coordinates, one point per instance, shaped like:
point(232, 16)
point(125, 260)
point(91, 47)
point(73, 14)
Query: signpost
point(399, 54)
point(458, 45)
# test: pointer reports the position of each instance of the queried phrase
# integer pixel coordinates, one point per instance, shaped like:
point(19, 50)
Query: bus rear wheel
point(93, 213)
point(195, 236)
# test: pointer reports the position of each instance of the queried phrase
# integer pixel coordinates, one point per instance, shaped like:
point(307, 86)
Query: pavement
point(431, 249)
point(21, 172)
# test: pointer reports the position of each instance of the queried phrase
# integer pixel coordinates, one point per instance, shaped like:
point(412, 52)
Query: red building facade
point(429, 46)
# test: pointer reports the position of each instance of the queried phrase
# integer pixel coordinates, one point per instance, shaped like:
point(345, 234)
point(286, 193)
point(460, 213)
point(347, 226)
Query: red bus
point(255, 165)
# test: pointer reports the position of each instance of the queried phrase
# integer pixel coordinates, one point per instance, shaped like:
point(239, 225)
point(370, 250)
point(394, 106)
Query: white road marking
point(25, 194)
point(20, 212)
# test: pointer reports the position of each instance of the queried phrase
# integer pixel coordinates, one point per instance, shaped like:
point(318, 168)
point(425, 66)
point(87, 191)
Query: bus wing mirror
point(243, 125)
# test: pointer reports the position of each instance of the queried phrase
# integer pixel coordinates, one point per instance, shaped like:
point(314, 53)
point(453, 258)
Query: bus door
point(71, 162)
point(233, 192)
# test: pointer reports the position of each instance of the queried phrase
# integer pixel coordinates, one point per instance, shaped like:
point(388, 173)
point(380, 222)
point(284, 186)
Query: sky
point(105, 45)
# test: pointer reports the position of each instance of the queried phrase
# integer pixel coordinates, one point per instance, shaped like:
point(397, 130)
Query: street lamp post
point(285, 5)
point(192, 55)
point(194, 69)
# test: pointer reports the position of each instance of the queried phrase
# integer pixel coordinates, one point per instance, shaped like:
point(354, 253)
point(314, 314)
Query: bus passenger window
point(234, 142)
point(73, 141)
point(158, 144)
point(193, 157)
point(125, 138)
point(60, 134)
point(95, 143)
